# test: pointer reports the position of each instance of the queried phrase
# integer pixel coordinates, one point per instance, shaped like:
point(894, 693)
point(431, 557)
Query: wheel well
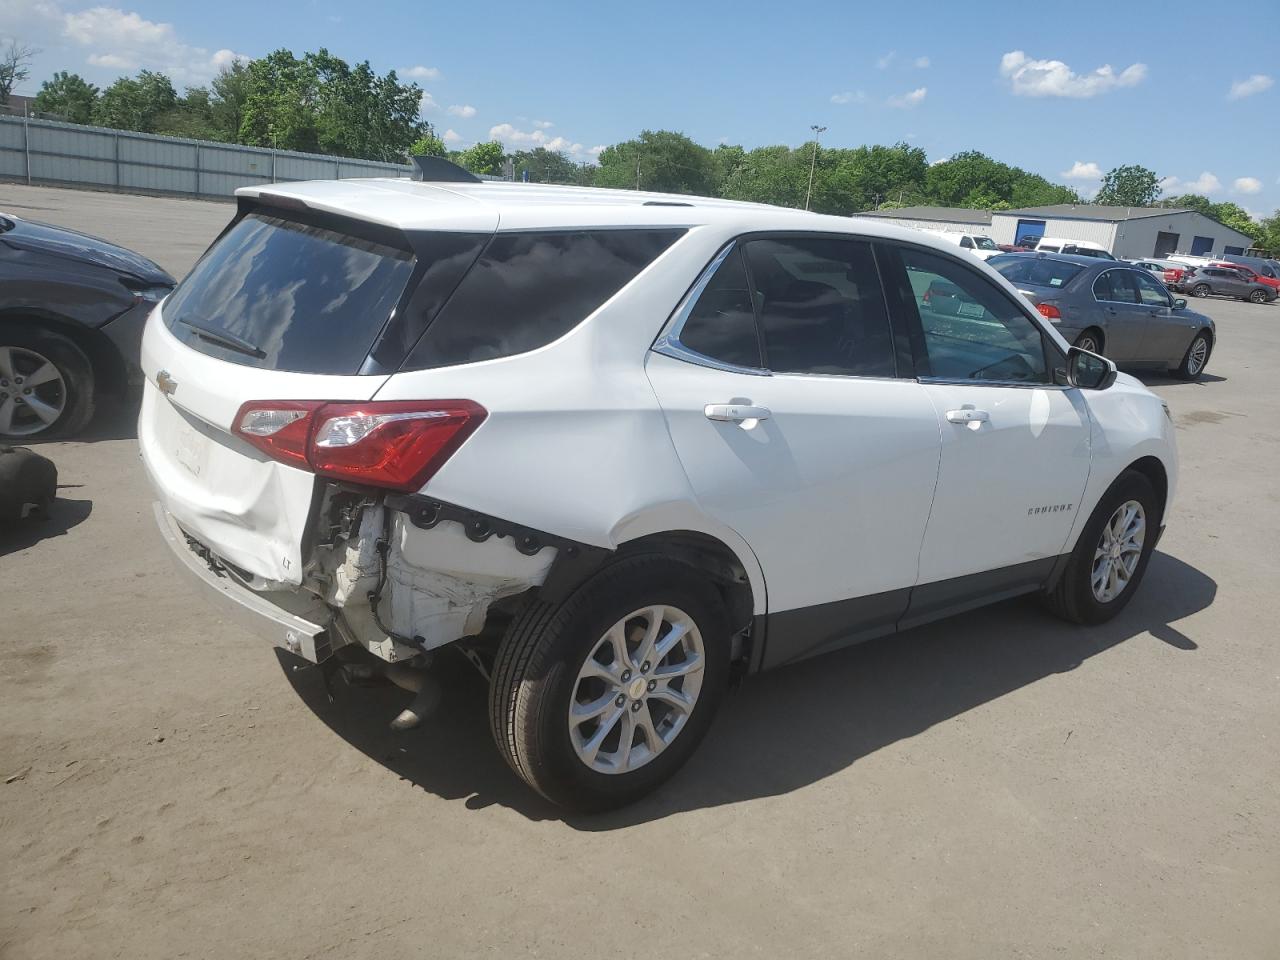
point(109, 372)
point(1153, 470)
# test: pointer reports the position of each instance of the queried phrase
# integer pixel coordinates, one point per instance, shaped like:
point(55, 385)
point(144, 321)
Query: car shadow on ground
point(115, 419)
point(1151, 379)
point(782, 730)
point(63, 515)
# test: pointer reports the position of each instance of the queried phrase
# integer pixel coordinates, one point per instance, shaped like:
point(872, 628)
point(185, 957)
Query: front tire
point(46, 384)
point(1111, 555)
point(1196, 358)
point(597, 701)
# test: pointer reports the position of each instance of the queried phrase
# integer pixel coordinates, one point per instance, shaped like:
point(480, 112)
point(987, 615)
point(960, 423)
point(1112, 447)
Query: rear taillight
point(1049, 311)
point(394, 444)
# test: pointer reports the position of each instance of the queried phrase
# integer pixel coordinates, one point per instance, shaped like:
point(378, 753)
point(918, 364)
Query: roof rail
point(666, 203)
point(440, 170)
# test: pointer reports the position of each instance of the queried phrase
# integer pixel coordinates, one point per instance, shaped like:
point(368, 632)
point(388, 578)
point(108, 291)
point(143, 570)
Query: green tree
point(1237, 218)
point(969, 174)
point(15, 67)
point(135, 103)
point(484, 158)
point(1192, 201)
point(659, 160)
point(776, 174)
point(191, 116)
point(1270, 230)
point(545, 166)
point(1129, 186)
point(319, 103)
point(69, 96)
point(428, 145)
point(227, 95)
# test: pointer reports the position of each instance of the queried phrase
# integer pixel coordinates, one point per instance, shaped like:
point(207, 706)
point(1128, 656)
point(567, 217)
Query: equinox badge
point(166, 383)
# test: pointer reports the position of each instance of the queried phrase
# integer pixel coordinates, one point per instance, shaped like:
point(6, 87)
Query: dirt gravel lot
point(998, 785)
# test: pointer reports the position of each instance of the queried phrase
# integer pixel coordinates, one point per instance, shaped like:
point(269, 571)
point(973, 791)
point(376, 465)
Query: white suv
point(618, 448)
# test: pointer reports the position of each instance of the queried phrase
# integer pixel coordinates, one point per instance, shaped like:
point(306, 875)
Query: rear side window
point(1037, 271)
point(722, 323)
point(821, 307)
point(290, 295)
point(1116, 286)
point(528, 289)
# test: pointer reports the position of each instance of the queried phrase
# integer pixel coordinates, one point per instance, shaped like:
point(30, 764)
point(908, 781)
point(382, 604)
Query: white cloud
point(451, 136)
point(543, 124)
point(1247, 88)
point(1082, 171)
point(909, 99)
point(464, 110)
point(427, 103)
point(420, 73)
point(1206, 183)
point(883, 62)
point(510, 136)
point(922, 62)
point(1247, 185)
point(1053, 78)
point(597, 150)
point(849, 96)
point(934, 163)
point(111, 39)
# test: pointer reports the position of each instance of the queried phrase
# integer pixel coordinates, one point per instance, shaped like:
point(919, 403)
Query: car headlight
point(152, 294)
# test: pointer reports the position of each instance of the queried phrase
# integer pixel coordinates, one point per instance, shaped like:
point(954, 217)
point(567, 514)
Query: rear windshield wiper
point(224, 339)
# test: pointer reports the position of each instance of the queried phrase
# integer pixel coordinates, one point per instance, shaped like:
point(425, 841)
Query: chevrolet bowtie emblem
point(166, 383)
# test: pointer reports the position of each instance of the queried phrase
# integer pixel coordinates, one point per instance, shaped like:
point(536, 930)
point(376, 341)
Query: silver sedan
point(1114, 309)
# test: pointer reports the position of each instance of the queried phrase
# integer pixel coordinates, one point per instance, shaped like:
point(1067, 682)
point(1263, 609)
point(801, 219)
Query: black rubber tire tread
point(529, 649)
point(1257, 296)
point(77, 373)
point(1182, 371)
point(1072, 596)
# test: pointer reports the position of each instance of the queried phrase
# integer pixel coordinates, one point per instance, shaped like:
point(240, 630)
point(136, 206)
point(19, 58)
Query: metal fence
point(46, 151)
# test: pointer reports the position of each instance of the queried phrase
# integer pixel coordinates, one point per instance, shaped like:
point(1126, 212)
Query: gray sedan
point(1114, 309)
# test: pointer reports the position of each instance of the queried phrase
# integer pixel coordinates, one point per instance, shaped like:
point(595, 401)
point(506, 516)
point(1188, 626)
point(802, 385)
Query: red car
point(1249, 274)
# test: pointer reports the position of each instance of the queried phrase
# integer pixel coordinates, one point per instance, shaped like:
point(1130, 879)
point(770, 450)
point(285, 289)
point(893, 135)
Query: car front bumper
point(297, 632)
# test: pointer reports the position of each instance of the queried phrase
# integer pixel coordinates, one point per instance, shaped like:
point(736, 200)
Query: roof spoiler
point(440, 170)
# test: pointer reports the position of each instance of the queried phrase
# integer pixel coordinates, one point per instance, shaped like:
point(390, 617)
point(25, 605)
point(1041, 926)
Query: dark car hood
point(43, 238)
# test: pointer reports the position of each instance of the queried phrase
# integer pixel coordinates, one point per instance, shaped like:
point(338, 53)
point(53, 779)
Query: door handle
point(742, 413)
point(968, 416)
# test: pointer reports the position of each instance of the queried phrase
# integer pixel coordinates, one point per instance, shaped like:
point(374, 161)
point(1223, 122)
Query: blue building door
point(1033, 229)
point(1201, 245)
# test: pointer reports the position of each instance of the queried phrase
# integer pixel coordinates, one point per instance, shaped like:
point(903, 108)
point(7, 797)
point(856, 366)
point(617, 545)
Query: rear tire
point(1201, 290)
point(1196, 358)
point(1091, 340)
point(1075, 597)
point(27, 353)
point(1257, 296)
point(549, 658)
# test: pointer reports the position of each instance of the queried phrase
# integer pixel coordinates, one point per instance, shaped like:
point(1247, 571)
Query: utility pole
point(637, 171)
point(813, 161)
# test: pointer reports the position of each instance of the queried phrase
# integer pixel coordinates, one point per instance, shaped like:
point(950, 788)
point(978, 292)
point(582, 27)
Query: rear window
point(290, 295)
point(1037, 271)
point(528, 289)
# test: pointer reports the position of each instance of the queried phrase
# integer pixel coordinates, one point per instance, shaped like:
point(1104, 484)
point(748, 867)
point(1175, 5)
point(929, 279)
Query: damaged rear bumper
point(306, 636)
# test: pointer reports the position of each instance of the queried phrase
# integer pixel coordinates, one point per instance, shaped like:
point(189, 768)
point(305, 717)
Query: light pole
point(813, 161)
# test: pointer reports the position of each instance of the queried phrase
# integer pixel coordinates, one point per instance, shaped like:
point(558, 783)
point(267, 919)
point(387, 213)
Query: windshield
point(985, 243)
point(1037, 271)
point(287, 295)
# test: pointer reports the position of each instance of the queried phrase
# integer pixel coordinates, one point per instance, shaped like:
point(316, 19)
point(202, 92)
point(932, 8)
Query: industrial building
point(1128, 232)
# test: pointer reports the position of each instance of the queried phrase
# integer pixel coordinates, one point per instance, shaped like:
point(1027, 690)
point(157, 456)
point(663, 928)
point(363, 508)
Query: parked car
point(981, 247)
point(1226, 282)
point(1170, 273)
point(1267, 266)
point(617, 447)
point(1113, 309)
point(72, 308)
point(1080, 248)
point(1248, 274)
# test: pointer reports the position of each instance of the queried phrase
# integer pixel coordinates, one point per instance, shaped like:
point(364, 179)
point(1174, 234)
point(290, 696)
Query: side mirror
point(1088, 371)
point(1179, 303)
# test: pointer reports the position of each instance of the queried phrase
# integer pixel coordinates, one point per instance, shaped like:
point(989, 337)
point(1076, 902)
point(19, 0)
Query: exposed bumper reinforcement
point(250, 609)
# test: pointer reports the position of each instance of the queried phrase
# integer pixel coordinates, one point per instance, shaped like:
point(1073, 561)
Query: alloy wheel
point(637, 689)
point(33, 393)
point(1087, 343)
point(1201, 290)
point(1198, 355)
point(1118, 551)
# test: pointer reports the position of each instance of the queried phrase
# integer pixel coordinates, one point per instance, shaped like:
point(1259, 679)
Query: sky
point(1065, 91)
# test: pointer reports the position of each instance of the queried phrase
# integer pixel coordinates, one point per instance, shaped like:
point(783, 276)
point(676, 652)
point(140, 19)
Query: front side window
point(821, 306)
point(1151, 291)
point(985, 243)
point(971, 329)
point(528, 289)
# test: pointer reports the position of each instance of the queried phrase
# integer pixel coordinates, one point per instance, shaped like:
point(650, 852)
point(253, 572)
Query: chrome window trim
point(1021, 384)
